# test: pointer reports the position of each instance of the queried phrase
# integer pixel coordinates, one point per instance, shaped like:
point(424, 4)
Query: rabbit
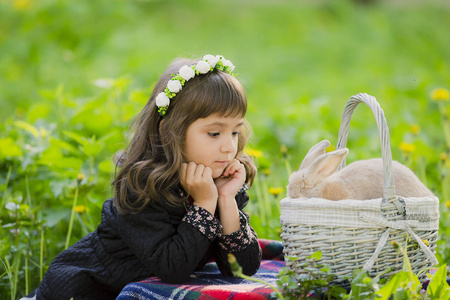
point(361, 180)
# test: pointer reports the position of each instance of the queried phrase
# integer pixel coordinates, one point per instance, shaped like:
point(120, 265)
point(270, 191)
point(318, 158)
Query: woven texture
point(358, 233)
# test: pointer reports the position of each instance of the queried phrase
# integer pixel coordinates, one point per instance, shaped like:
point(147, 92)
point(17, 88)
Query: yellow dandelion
point(80, 177)
point(426, 242)
point(275, 191)
point(284, 150)
point(254, 153)
point(407, 148)
point(440, 94)
point(447, 204)
point(415, 129)
point(447, 163)
point(21, 4)
point(443, 156)
point(80, 209)
point(395, 244)
point(266, 171)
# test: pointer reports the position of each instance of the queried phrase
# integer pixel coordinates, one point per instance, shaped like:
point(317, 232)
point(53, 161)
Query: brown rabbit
point(360, 180)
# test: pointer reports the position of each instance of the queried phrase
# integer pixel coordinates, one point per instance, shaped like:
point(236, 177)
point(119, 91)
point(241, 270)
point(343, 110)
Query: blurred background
point(73, 74)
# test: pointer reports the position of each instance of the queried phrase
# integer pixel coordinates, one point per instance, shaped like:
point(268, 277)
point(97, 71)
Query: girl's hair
point(149, 167)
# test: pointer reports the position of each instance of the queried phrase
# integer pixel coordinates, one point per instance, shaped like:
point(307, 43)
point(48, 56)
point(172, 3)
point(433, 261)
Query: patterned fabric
point(238, 240)
point(209, 283)
point(203, 220)
point(206, 284)
point(271, 250)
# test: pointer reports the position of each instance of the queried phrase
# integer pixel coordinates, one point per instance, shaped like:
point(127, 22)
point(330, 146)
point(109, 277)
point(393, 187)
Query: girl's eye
point(235, 133)
point(213, 134)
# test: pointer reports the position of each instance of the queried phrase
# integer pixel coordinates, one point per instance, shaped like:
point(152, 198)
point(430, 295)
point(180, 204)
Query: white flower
point(186, 72)
point(202, 67)
point(174, 86)
point(162, 100)
point(211, 59)
point(229, 64)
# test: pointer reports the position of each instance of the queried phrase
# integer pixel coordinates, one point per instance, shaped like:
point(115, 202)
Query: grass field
point(74, 74)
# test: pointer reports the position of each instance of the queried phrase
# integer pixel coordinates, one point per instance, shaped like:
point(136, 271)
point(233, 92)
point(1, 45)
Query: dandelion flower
point(440, 94)
point(426, 242)
point(443, 156)
point(266, 171)
point(395, 244)
point(407, 148)
point(415, 129)
point(254, 153)
point(447, 204)
point(284, 150)
point(21, 4)
point(275, 191)
point(80, 209)
point(80, 177)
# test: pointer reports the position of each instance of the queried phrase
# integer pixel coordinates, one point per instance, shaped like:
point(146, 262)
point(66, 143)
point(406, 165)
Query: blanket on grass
point(210, 284)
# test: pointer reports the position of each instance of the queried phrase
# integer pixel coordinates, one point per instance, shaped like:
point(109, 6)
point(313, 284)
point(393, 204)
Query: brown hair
point(149, 167)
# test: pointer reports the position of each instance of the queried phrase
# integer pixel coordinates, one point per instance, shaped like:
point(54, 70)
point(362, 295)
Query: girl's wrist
point(210, 206)
point(223, 200)
point(229, 215)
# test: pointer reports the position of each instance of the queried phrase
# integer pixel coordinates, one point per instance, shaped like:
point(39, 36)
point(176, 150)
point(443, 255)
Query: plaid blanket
point(209, 283)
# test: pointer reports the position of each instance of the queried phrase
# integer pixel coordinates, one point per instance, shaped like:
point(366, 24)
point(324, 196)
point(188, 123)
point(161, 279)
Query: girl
point(179, 193)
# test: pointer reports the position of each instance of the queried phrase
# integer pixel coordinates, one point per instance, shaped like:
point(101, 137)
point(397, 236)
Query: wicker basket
point(358, 233)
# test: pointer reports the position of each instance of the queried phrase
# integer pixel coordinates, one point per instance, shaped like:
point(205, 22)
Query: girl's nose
point(228, 145)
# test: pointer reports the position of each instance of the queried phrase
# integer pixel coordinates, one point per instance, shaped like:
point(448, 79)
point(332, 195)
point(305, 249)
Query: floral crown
point(176, 83)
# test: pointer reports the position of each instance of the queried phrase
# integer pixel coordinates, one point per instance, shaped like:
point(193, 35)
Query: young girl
point(179, 193)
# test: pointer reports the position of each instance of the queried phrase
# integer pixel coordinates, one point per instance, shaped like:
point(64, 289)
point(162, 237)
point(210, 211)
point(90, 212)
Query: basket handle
point(383, 131)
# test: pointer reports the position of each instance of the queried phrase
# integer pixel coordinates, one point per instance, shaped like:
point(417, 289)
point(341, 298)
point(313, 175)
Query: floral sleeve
point(238, 240)
point(203, 220)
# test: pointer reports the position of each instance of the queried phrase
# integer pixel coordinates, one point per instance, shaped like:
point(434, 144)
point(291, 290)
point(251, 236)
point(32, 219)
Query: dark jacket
point(170, 242)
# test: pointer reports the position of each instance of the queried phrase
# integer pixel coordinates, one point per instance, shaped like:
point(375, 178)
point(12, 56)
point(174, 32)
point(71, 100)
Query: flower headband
point(176, 83)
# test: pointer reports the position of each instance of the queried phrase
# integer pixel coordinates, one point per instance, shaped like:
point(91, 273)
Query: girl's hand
point(231, 181)
point(197, 181)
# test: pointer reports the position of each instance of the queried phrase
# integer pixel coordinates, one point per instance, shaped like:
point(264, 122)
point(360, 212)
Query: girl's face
point(213, 142)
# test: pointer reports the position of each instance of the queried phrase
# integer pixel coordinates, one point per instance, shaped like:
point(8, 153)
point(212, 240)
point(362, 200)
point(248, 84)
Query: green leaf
point(438, 284)
point(75, 136)
point(284, 279)
point(9, 149)
point(5, 246)
point(106, 166)
point(53, 216)
point(60, 144)
point(38, 111)
point(28, 127)
point(92, 149)
point(392, 285)
point(317, 255)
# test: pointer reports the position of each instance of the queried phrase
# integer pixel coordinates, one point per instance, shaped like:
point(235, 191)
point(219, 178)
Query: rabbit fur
point(360, 180)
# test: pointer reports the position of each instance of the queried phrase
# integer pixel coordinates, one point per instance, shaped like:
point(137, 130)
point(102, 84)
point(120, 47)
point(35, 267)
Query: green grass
point(299, 61)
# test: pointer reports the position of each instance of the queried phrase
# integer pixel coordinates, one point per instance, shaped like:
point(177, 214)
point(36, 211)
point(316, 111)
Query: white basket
point(358, 233)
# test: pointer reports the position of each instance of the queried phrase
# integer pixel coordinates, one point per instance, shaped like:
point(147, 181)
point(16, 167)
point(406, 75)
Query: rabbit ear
point(313, 153)
point(324, 166)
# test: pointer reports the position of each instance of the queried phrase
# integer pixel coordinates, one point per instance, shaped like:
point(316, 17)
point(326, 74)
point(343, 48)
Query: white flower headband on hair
point(176, 83)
